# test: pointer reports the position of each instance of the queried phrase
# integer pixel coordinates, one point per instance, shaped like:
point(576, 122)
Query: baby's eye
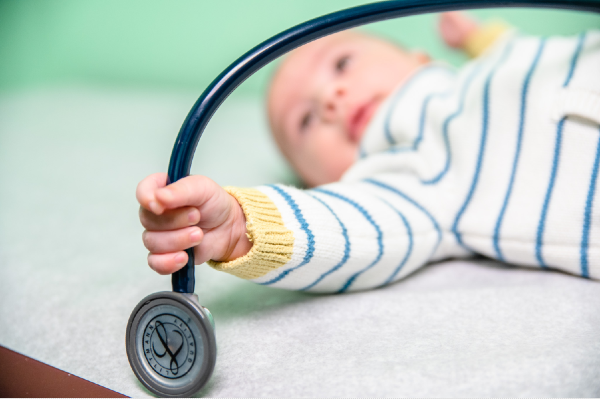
point(342, 63)
point(305, 121)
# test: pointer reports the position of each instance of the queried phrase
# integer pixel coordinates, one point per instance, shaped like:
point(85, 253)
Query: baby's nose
point(332, 101)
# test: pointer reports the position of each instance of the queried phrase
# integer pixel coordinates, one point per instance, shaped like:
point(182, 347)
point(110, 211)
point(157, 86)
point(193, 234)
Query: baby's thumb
point(189, 191)
point(146, 190)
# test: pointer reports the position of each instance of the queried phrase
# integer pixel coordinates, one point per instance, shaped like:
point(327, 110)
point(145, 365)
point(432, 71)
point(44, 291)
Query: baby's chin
point(327, 175)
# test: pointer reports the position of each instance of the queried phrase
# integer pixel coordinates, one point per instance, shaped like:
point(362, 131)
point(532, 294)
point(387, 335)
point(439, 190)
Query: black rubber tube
point(267, 51)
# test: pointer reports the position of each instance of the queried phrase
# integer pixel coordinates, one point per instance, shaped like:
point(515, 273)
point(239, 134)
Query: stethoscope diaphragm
point(171, 344)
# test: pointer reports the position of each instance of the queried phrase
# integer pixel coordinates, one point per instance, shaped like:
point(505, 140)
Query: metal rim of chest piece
point(171, 344)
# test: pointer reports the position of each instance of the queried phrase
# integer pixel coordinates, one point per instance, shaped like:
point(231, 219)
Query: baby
point(410, 162)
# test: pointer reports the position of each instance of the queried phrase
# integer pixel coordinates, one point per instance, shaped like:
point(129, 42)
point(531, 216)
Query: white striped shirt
point(499, 158)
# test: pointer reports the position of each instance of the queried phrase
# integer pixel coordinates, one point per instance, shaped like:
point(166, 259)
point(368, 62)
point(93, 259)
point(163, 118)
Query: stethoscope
point(170, 337)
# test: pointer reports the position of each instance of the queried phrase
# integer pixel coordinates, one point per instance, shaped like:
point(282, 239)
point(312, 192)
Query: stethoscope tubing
point(242, 68)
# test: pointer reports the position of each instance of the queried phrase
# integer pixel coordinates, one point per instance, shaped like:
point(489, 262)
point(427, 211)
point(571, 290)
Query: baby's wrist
point(240, 242)
point(244, 241)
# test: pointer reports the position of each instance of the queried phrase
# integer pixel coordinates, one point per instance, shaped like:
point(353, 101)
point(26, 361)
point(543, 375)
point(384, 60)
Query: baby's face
point(324, 95)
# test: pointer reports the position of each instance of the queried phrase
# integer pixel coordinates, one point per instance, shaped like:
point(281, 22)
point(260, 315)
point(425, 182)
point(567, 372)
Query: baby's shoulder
point(395, 124)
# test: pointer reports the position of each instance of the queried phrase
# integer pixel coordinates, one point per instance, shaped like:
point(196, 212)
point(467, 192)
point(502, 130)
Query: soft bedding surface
point(72, 267)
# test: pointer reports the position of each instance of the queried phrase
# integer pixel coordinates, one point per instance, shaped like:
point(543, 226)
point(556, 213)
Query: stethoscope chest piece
point(171, 344)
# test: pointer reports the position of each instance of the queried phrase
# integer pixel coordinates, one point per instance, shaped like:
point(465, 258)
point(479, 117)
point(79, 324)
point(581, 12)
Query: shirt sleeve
point(483, 38)
point(272, 241)
point(338, 237)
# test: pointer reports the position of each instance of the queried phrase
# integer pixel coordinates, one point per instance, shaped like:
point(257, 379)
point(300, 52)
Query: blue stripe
point(419, 137)
point(410, 244)
point(346, 248)
point(413, 202)
point(415, 144)
point(361, 151)
point(304, 226)
point(542, 222)
point(396, 99)
point(446, 125)
point(524, 90)
point(580, 41)
point(371, 221)
point(484, 130)
point(587, 218)
point(557, 146)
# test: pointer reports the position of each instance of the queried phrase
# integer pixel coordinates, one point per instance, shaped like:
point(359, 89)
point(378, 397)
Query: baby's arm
point(340, 237)
point(462, 32)
point(335, 238)
point(194, 211)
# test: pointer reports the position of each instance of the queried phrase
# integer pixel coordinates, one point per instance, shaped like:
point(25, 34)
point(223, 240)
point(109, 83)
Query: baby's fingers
point(162, 242)
point(455, 27)
point(167, 263)
point(146, 190)
point(169, 220)
point(191, 190)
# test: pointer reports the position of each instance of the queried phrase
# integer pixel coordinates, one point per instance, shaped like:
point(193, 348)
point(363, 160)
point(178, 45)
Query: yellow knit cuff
point(272, 242)
point(481, 39)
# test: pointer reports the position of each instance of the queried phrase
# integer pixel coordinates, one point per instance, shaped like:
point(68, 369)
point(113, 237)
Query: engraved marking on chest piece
point(168, 346)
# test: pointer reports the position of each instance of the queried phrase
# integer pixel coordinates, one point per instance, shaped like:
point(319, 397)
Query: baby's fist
point(192, 212)
point(455, 28)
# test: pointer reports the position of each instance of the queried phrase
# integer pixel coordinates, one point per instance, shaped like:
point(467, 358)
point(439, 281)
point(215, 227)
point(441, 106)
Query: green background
point(184, 43)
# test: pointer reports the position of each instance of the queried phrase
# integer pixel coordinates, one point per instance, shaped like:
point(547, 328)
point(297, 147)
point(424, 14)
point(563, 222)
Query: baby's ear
point(420, 56)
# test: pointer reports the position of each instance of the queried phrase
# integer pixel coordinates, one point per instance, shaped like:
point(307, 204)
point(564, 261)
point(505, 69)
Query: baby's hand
point(194, 211)
point(455, 27)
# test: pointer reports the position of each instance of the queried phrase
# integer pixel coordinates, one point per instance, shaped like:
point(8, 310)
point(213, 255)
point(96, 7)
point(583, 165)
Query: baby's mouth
point(359, 118)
